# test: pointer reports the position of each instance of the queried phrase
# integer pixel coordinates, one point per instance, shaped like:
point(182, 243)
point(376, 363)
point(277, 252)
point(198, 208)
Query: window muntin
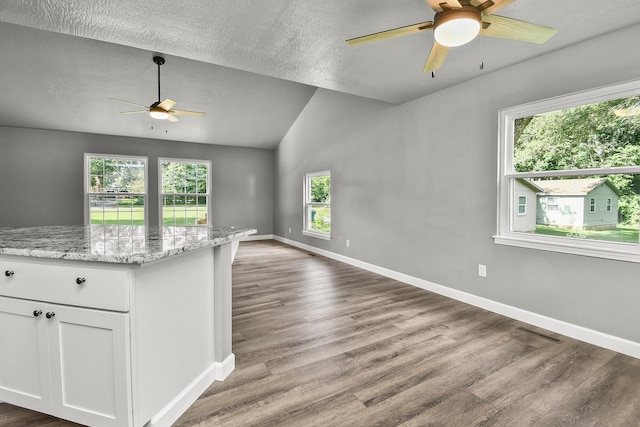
point(589, 137)
point(317, 204)
point(184, 192)
point(115, 189)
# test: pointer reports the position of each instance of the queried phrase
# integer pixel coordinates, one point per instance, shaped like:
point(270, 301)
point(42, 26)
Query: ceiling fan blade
point(440, 5)
point(134, 112)
point(396, 32)
point(172, 118)
point(130, 103)
point(436, 57)
point(490, 6)
point(508, 28)
point(188, 113)
point(167, 104)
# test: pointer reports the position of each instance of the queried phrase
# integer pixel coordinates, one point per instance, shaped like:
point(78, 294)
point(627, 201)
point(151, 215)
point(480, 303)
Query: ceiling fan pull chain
point(481, 52)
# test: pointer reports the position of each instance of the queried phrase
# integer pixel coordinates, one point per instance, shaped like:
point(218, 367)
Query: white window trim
point(86, 187)
point(305, 207)
point(609, 204)
point(592, 205)
point(587, 247)
point(161, 194)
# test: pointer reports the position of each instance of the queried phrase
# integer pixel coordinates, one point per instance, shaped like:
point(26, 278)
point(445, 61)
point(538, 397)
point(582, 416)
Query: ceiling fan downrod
point(158, 60)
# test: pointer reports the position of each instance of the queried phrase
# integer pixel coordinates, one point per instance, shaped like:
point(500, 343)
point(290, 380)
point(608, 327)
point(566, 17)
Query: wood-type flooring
point(321, 343)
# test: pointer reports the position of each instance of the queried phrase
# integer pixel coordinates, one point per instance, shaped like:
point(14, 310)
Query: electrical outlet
point(347, 242)
point(289, 230)
point(482, 270)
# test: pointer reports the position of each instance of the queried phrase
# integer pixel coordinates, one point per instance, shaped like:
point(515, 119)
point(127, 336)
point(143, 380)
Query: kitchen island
point(114, 325)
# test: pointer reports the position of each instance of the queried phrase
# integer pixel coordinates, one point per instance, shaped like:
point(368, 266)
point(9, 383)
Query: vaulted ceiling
point(250, 65)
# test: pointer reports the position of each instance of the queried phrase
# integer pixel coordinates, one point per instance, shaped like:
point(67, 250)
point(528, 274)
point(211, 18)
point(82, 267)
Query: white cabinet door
point(90, 366)
point(24, 357)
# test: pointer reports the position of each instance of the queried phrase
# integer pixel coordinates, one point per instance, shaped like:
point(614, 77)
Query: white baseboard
point(217, 371)
point(258, 237)
point(226, 367)
point(611, 342)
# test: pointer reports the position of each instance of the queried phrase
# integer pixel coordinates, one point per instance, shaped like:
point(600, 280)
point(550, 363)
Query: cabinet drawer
point(101, 288)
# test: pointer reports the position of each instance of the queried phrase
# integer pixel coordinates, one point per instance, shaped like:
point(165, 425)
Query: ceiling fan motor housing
point(451, 21)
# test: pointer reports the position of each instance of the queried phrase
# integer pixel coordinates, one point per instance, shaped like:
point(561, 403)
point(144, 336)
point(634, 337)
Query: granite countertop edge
point(228, 235)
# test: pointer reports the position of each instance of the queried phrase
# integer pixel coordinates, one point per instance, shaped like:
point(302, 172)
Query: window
point(522, 205)
point(184, 192)
point(569, 151)
point(115, 189)
point(317, 205)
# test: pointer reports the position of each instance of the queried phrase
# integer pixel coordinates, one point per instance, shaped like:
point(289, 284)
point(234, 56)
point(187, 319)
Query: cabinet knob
point(50, 314)
point(80, 280)
point(37, 313)
point(8, 273)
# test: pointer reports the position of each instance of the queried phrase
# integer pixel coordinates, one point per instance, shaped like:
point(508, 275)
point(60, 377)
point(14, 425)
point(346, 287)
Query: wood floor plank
point(321, 343)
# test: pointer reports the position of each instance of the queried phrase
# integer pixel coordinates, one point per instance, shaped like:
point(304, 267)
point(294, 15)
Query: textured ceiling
point(252, 66)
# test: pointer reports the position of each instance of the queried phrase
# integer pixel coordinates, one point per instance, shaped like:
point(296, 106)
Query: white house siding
point(570, 212)
point(601, 219)
point(524, 222)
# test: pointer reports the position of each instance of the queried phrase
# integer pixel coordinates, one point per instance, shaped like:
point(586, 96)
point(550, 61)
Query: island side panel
point(172, 320)
point(222, 333)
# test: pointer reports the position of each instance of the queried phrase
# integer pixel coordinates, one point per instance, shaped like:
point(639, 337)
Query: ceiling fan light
point(456, 27)
point(159, 115)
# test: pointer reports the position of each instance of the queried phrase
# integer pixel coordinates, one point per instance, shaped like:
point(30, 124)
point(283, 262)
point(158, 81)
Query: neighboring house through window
point(317, 205)
point(115, 189)
point(184, 192)
point(569, 152)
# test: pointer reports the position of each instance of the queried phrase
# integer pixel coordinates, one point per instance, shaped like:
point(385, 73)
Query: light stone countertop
point(121, 244)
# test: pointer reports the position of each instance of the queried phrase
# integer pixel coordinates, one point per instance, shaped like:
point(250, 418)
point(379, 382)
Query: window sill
point(317, 234)
point(607, 250)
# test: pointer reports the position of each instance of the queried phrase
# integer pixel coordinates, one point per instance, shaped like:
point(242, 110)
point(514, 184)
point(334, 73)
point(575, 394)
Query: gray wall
point(414, 187)
point(41, 175)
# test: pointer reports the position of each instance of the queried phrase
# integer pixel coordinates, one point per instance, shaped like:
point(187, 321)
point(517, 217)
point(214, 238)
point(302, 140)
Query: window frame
point(308, 205)
point(592, 205)
point(507, 176)
point(87, 184)
point(162, 194)
point(609, 205)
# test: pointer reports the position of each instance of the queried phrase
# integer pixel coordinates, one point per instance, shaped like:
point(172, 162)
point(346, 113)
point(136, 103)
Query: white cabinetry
point(114, 344)
point(67, 361)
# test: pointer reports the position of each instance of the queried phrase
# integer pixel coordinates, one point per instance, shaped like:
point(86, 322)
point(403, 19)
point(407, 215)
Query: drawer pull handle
point(80, 280)
point(50, 314)
point(8, 273)
point(37, 313)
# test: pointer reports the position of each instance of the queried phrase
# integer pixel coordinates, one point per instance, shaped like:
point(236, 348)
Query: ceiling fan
point(457, 22)
point(160, 110)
